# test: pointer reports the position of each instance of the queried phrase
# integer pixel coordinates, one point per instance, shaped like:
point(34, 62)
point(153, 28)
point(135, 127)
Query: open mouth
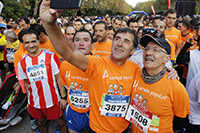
point(118, 50)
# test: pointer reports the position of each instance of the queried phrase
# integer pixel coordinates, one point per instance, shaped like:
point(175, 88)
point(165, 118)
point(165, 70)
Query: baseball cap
point(160, 41)
point(3, 25)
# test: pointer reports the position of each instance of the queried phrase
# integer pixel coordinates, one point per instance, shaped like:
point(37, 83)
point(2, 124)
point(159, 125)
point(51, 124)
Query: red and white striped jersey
point(40, 72)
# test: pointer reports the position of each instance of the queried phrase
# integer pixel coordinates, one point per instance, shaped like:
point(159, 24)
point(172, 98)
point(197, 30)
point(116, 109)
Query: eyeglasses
point(155, 50)
point(151, 31)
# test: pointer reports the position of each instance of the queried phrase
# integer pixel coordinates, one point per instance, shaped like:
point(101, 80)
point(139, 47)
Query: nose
point(81, 43)
point(120, 43)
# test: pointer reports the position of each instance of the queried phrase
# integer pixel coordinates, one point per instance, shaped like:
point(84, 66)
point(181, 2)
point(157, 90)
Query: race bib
point(79, 98)
point(115, 105)
point(36, 72)
point(139, 116)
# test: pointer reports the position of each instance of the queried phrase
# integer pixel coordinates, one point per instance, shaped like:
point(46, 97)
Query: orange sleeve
point(62, 72)
point(17, 58)
point(179, 38)
point(181, 96)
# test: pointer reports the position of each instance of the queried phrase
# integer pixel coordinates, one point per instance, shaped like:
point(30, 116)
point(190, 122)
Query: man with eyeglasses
point(137, 56)
point(156, 100)
point(193, 22)
point(40, 70)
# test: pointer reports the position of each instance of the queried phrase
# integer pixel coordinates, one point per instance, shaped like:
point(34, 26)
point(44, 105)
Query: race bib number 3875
point(139, 116)
point(115, 105)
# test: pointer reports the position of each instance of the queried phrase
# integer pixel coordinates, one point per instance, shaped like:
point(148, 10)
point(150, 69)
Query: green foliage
point(12, 9)
point(18, 8)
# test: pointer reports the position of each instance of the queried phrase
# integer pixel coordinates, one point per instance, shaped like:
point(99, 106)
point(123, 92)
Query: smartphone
point(65, 4)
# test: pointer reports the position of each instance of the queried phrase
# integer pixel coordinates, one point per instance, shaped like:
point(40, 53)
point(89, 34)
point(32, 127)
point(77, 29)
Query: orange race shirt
point(192, 32)
point(102, 49)
point(172, 50)
point(16, 31)
point(19, 54)
point(173, 35)
point(48, 46)
point(109, 91)
point(76, 82)
point(163, 99)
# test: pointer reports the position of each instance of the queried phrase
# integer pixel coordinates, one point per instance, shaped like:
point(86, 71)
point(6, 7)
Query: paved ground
point(24, 125)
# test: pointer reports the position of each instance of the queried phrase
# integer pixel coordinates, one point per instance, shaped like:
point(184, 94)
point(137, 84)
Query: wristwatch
point(64, 97)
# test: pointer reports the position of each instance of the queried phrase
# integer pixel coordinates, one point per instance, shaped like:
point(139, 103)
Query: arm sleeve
point(179, 123)
point(55, 64)
point(183, 56)
point(21, 74)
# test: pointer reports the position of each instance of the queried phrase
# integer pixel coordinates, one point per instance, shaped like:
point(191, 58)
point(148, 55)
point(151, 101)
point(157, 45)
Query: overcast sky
point(134, 2)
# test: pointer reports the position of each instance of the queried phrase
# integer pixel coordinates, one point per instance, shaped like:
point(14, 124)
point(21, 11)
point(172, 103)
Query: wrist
point(65, 97)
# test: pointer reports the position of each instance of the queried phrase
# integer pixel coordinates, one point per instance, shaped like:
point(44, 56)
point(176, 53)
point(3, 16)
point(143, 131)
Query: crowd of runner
point(105, 73)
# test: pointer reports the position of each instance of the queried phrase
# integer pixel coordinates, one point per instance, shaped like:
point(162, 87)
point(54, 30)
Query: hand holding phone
point(65, 4)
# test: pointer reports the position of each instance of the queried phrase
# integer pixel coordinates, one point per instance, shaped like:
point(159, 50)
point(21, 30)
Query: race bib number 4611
point(139, 116)
point(115, 105)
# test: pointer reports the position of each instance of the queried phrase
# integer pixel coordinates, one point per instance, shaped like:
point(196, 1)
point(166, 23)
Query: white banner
point(1, 6)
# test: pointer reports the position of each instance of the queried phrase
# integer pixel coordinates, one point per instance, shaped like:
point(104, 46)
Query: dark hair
point(101, 22)
point(140, 28)
point(68, 27)
point(154, 18)
point(27, 21)
point(185, 23)
point(14, 20)
point(26, 31)
point(84, 30)
point(193, 22)
point(170, 11)
point(128, 30)
point(131, 20)
point(37, 28)
point(118, 18)
point(79, 20)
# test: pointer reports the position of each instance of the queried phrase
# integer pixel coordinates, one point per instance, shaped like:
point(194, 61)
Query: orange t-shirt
point(163, 99)
point(173, 35)
point(19, 54)
point(184, 39)
point(48, 46)
point(75, 79)
point(105, 76)
point(16, 31)
point(192, 32)
point(102, 49)
point(172, 50)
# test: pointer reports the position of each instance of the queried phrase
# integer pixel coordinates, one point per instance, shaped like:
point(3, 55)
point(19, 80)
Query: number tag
point(79, 98)
point(115, 105)
point(139, 116)
point(36, 72)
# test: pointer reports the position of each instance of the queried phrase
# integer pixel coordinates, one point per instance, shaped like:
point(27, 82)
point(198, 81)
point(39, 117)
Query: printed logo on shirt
point(106, 75)
point(114, 89)
point(74, 77)
point(42, 61)
point(150, 92)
